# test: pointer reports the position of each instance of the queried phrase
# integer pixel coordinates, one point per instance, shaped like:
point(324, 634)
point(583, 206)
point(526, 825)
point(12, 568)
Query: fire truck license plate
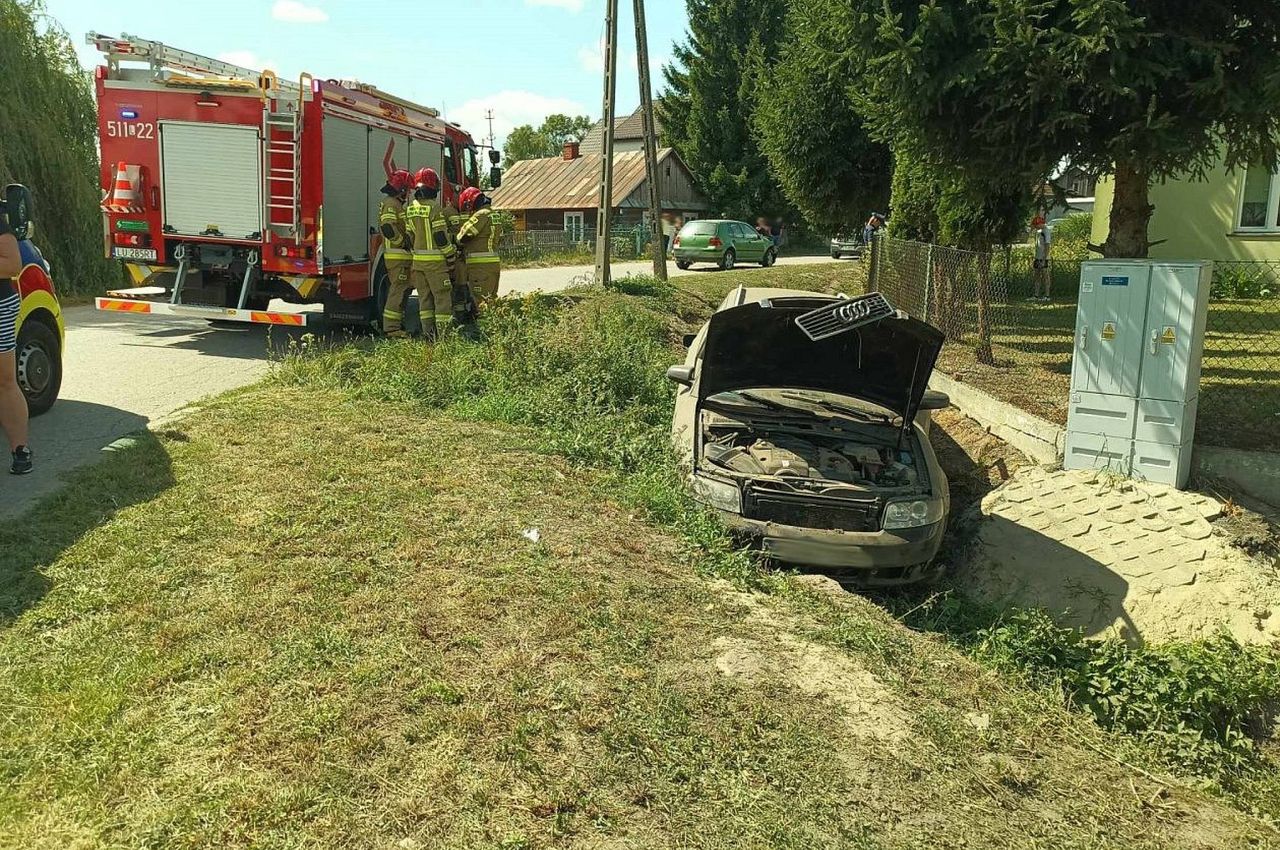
point(134, 254)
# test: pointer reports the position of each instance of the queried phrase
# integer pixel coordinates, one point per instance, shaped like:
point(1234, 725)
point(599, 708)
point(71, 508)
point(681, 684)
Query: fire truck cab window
point(450, 166)
point(473, 168)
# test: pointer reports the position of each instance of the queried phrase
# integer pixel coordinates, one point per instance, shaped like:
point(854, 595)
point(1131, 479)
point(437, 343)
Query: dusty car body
point(817, 450)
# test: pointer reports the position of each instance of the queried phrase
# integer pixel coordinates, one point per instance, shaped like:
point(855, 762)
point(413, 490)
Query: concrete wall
point(1256, 474)
point(1197, 218)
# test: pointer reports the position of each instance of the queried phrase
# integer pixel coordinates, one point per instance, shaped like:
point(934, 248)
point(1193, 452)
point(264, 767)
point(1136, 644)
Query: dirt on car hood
point(759, 346)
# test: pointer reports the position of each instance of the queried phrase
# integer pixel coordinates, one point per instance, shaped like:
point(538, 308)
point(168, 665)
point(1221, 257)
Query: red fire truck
point(227, 188)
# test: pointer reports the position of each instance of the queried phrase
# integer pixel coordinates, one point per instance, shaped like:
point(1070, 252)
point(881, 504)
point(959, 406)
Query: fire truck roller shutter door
point(424, 154)
point(212, 175)
point(346, 190)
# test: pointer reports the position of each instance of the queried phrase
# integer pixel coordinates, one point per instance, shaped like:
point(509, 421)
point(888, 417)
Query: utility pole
point(603, 212)
point(650, 146)
point(489, 115)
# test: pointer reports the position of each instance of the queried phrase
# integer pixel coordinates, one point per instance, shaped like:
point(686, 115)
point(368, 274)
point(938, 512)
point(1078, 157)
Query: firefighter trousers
point(435, 295)
point(398, 286)
point(483, 273)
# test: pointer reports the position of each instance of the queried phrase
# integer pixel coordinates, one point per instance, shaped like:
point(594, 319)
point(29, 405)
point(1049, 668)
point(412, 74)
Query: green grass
point(308, 616)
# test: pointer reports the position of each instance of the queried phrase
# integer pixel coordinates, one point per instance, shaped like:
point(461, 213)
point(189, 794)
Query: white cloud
point(295, 12)
point(510, 109)
point(568, 5)
point(248, 59)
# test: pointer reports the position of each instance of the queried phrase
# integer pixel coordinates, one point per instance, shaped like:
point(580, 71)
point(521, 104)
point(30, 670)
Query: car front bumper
point(846, 247)
point(884, 558)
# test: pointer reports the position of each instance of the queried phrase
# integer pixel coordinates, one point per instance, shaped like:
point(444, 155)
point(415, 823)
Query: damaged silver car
point(804, 420)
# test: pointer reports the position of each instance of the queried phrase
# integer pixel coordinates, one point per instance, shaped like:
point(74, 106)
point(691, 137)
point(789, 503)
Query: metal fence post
point(873, 272)
point(928, 280)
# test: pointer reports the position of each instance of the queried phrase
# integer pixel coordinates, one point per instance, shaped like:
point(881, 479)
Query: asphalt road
point(124, 372)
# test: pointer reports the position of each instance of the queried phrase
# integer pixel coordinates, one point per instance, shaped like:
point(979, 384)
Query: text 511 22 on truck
point(226, 189)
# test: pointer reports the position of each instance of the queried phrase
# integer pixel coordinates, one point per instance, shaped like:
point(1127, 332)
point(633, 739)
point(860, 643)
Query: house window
point(1260, 200)
point(574, 224)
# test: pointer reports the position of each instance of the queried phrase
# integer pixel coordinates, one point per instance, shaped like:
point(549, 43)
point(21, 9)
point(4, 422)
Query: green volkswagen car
point(724, 243)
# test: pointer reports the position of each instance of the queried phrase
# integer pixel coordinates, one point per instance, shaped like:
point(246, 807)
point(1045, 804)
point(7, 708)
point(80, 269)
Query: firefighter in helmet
point(398, 252)
point(432, 253)
point(477, 238)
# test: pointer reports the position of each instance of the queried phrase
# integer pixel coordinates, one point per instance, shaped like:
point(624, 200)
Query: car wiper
point(836, 407)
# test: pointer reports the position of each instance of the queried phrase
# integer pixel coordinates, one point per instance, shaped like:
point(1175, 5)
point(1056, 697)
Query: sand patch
point(1118, 557)
point(868, 709)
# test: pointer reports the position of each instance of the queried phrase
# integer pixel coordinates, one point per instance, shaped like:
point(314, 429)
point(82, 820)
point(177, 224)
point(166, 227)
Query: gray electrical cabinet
point(1135, 374)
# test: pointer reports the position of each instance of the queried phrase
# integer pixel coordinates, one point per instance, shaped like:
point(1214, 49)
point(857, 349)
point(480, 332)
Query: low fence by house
point(574, 244)
point(1020, 349)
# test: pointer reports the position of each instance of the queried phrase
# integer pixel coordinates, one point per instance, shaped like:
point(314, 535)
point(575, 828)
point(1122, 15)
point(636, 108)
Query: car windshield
point(698, 228)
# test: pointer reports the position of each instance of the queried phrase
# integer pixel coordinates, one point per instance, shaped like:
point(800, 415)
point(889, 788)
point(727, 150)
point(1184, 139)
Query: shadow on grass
point(30, 544)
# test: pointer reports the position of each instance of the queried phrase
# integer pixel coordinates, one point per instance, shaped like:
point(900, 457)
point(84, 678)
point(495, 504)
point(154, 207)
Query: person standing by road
point(1041, 272)
point(433, 252)
point(668, 232)
point(13, 404)
point(872, 227)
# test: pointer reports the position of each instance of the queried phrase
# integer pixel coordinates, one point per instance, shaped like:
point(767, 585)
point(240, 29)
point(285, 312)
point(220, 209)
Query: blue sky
point(532, 57)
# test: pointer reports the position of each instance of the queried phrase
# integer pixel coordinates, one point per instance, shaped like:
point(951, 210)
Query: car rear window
point(699, 228)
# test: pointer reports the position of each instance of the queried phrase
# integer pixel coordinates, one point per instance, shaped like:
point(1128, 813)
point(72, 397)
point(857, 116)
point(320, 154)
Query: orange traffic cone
point(125, 197)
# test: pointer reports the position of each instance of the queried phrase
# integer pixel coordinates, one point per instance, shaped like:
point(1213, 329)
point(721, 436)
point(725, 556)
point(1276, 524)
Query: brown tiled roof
point(556, 183)
point(628, 127)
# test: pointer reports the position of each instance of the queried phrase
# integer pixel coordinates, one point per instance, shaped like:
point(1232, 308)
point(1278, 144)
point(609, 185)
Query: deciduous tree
point(1142, 90)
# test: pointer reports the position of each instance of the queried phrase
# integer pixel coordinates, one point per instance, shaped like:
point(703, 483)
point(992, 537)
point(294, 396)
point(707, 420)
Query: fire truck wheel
point(39, 357)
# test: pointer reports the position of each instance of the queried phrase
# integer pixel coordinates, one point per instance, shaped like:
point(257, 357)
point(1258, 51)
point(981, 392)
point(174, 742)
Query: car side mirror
point(681, 375)
point(688, 339)
point(934, 400)
point(17, 205)
point(495, 157)
point(495, 177)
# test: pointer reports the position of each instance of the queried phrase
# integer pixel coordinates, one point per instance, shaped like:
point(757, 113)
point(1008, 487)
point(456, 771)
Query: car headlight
point(912, 513)
point(720, 495)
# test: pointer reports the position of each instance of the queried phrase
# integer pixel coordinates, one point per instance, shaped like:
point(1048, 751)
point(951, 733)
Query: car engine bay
point(812, 472)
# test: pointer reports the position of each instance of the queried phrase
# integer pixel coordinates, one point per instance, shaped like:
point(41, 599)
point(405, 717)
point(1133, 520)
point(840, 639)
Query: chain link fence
point(567, 246)
point(1004, 339)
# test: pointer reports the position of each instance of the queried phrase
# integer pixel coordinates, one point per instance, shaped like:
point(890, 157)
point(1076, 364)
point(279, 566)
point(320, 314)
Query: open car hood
point(759, 346)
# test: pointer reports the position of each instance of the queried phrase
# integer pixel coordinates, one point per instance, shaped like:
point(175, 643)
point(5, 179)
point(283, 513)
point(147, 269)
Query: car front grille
point(807, 511)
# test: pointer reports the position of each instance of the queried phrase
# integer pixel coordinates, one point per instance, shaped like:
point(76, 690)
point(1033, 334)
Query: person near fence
point(1042, 274)
point(668, 232)
point(872, 227)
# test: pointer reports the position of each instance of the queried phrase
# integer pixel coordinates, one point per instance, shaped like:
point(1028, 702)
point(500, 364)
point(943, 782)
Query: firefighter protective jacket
point(429, 230)
point(391, 221)
point(478, 236)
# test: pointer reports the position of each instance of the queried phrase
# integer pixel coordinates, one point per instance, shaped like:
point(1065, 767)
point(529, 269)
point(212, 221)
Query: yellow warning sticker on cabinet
point(1167, 336)
point(1108, 330)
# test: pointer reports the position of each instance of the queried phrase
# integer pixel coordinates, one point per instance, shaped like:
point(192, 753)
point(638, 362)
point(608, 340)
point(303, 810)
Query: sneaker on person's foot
point(21, 463)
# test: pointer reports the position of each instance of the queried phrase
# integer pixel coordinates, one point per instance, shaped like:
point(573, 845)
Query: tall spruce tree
point(48, 134)
point(827, 164)
point(711, 93)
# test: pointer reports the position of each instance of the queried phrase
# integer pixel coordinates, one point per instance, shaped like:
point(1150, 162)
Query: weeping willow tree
point(48, 140)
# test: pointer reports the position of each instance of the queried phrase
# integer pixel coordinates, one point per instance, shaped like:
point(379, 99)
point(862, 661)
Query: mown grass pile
point(585, 370)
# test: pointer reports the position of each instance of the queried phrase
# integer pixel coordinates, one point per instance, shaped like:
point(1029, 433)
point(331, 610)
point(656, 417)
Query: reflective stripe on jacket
point(391, 214)
point(429, 228)
point(478, 237)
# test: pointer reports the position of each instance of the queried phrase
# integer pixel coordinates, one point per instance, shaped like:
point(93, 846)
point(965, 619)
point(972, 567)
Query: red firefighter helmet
point(468, 198)
point(400, 180)
point(426, 178)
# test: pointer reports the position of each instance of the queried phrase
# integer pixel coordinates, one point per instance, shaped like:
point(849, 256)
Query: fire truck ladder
point(161, 57)
point(282, 133)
